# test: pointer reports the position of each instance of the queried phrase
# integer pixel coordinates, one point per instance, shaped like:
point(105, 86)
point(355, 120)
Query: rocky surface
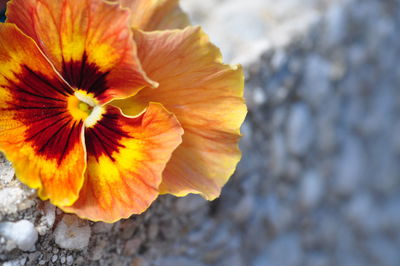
point(319, 181)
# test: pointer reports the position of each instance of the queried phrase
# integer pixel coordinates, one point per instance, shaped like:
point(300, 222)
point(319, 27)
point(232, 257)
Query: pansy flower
point(105, 105)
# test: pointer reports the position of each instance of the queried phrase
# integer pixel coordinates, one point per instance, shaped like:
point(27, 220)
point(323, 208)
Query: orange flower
point(93, 112)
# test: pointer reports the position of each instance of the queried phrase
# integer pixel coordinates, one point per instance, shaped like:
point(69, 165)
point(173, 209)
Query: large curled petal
point(88, 41)
point(207, 98)
point(153, 15)
point(37, 134)
point(126, 158)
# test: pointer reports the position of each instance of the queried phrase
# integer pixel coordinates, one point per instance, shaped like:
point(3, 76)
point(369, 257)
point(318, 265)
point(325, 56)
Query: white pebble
point(49, 213)
point(70, 260)
point(11, 198)
point(72, 233)
point(22, 233)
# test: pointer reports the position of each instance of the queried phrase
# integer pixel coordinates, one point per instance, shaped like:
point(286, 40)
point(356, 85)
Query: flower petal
point(88, 41)
point(37, 134)
point(207, 98)
point(152, 15)
point(126, 157)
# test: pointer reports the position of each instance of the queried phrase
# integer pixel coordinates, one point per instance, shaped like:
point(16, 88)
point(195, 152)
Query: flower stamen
point(83, 106)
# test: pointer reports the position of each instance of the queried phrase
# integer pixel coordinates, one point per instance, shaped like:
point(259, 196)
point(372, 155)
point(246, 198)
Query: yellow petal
point(37, 133)
point(207, 98)
point(126, 158)
point(152, 15)
point(88, 41)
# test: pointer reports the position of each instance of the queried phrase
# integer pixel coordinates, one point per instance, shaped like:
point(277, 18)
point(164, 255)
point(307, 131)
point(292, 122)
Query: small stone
point(259, 97)
point(350, 166)
point(70, 260)
point(98, 249)
point(49, 214)
point(101, 227)
point(244, 209)
point(278, 155)
point(72, 233)
point(54, 258)
point(13, 199)
point(132, 247)
point(12, 263)
point(316, 85)
point(128, 228)
point(278, 214)
point(22, 233)
point(362, 213)
point(300, 131)
point(311, 189)
point(63, 259)
point(33, 256)
point(152, 231)
point(286, 250)
point(48, 219)
point(189, 204)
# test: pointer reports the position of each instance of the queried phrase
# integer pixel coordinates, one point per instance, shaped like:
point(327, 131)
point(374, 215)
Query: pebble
point(49, 214)
point(300, 131)
point(350, 166)
point(20, 262)
point(279, 154)
point(311, 189)
point(101, 227)
point(316, 84)
point(286, 250)
point(190, 204)
point(259, 97)
point(70, 260)
point(22, 233)
point(244, 209)
point(72, 233)
point(13, 199)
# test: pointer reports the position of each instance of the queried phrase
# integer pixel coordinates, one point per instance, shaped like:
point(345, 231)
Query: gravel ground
point(319, 181)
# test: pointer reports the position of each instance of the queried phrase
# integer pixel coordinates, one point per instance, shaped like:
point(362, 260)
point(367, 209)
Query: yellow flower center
point(83, 106)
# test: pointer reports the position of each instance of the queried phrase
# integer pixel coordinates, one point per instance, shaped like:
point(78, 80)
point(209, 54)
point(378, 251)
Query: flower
point(101, 117)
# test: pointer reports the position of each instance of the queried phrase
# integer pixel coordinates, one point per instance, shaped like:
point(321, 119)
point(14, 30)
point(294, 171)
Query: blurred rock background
point(319, 182)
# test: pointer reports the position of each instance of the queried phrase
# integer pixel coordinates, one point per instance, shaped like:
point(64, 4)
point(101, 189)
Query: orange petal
point(37, 134)
point(88, 41)
point(152, 15)
point(207, 98)
point(126, 158)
